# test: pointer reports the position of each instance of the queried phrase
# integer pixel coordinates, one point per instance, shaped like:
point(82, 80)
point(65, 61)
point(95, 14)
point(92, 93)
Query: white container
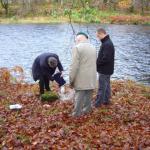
point(62, 90)
point(69, 95)
point(15, 106)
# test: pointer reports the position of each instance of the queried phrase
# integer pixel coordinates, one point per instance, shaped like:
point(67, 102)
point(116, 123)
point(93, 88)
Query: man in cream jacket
point(83, 74)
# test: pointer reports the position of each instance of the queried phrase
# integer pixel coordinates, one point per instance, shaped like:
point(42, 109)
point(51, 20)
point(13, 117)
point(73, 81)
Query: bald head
point(81, 38)
point(52, 62)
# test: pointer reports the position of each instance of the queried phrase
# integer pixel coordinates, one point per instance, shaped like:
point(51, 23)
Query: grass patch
point(49, 96)
point(3, 94)
point(82, 15)
point(52, 111)
point(23, 138)
point(2, 121)
point(147, 95)
point(5, 102)
point(107, 118)
point(103, 110)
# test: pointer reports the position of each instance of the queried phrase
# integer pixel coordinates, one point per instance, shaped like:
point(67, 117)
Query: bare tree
point(141, 5)
point(5, 5)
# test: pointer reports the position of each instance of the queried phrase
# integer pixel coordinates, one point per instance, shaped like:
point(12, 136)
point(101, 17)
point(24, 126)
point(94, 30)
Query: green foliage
point(23, 138)
point(90, 15)
point(54, 13)
point(51, 111)
point(2, 121)
point(83, 12)
point(147, 95)
point(66, 11)
point(86, 15)
point(49, 96)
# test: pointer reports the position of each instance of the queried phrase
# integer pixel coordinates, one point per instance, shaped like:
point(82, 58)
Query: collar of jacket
point(105, 38)
point(82, 42)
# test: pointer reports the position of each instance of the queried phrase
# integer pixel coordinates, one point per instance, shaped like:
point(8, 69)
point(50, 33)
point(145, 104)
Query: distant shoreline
point(122, 19)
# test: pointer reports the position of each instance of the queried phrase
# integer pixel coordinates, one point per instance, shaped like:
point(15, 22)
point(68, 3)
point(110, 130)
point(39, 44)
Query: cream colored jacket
point(82, 73)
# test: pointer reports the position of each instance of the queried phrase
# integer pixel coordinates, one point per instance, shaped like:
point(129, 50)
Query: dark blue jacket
point(105, 60)
point(40, 66)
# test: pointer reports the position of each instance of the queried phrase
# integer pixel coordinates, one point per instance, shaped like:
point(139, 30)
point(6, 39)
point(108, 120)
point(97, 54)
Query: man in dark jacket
point(105, 67)
point(43, 69)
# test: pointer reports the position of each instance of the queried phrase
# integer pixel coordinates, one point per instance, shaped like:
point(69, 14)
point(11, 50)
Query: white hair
point(80, 38)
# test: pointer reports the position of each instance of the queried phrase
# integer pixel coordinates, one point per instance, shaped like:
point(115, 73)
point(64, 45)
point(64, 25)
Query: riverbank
point(122, 125)
point(56, 12)
point(102, 17)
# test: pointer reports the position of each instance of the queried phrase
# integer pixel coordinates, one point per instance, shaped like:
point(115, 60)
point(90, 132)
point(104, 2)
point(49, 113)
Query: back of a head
point(101, 31)
point(81, 37)
point(52, 62)
point(82, 33)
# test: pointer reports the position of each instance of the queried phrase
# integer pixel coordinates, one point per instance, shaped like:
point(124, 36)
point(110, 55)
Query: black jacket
point(40, 66)
point(105, 60)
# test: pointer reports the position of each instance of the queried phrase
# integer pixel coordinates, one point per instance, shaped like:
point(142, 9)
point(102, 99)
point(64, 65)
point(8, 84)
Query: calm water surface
point(20, 44)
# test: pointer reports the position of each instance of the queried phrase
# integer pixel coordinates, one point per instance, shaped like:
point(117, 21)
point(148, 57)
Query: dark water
point(20, 44)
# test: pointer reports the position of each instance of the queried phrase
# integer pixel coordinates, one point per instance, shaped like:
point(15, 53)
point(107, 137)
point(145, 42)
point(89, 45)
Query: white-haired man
point(83, 74)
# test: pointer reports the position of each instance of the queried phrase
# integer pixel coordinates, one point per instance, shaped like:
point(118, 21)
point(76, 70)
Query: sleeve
point(107, 55)
point(60, 67)
point(74, 65)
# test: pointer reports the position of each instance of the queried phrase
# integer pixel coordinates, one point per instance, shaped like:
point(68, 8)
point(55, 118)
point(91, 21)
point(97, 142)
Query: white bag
point(69, 95)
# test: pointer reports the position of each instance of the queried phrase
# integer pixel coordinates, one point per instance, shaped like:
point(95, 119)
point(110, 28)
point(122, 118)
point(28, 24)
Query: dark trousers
point(45, 81)
point(44, 84)
point(104, 90)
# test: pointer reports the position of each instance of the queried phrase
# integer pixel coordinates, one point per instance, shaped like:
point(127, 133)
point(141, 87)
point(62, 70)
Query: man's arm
point(74, 65)
point(60, 67)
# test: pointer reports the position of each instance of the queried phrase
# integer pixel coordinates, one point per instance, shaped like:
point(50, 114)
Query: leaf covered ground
point(124, 125)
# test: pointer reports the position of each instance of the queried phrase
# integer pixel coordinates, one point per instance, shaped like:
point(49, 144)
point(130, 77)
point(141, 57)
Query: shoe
point(106, 103)
point(96, 104)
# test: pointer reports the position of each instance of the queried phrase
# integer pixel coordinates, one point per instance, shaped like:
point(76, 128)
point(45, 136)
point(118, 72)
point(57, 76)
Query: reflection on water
point(20, 44)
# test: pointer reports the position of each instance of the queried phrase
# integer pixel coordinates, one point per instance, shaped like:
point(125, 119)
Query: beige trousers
point(82, 103)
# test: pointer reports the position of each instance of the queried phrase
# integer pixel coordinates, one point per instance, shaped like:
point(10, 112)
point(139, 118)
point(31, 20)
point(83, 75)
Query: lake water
point(20, 44)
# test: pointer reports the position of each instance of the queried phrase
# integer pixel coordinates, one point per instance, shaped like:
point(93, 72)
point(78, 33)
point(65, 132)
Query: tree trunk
point(142, 6)
point(5, 5)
